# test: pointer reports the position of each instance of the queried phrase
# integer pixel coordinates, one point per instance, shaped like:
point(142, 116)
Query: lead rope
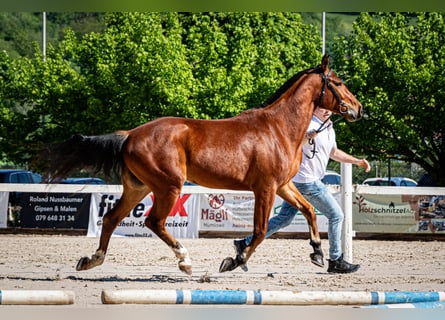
point(320, 129)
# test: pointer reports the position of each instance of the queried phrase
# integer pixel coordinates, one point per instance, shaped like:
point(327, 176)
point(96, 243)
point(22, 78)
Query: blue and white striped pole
point(267, 297)
point(416, 305)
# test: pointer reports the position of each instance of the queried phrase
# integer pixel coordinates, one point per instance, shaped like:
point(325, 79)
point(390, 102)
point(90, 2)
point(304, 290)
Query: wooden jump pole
point(36, 297)
point(266, 297)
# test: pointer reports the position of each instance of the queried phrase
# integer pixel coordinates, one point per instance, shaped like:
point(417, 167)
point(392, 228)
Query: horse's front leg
point(263, 206)
point(291, 194)
point(109, 223)
point(156, 222)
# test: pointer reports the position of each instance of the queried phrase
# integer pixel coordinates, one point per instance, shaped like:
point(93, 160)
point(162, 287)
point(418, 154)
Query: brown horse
point(257, 150)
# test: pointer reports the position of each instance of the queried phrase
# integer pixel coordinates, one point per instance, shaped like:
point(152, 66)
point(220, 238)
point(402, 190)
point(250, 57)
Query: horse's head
point(335, 96)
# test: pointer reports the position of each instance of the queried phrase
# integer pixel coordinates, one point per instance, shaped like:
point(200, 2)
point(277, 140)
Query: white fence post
point(346, 201)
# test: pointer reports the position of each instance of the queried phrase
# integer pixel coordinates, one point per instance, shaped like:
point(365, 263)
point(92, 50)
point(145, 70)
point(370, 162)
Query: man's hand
point(364, 164)
point(311, 134)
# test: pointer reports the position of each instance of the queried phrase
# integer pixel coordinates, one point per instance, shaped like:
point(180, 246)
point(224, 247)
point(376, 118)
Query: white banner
point(234, 212)
point(3, 209)
point(182, 222)
point(399, 213)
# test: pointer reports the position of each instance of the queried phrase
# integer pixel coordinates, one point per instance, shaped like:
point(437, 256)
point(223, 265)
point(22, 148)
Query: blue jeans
point(321, 198)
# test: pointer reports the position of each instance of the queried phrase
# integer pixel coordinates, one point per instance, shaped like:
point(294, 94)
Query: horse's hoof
point(83, 264)
point(185, 265)
point(317, 259)
point(244, 267)
point(86, 263)
point(228, 264)
point(187, 269)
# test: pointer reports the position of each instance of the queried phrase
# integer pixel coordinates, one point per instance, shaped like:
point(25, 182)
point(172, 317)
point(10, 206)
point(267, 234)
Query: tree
point(147, 65)
point(19, 30)
point(393, 62)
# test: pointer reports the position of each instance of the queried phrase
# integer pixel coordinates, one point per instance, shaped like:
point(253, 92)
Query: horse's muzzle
point(354, 114)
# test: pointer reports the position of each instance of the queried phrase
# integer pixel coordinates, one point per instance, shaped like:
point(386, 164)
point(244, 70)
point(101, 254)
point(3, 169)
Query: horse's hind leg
point(130, 197)
point(162, 206)
point(290, 194)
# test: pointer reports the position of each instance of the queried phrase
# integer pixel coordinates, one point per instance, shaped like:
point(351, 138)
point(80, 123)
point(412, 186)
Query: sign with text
point(182, 221)
point(234, 212)
point(376, 213)
point(53, 210)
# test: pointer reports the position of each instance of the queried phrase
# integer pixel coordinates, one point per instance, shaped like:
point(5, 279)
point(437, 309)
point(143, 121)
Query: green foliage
point(336, 24)
point(239, 59)
point(19, 30)
point(394, 64)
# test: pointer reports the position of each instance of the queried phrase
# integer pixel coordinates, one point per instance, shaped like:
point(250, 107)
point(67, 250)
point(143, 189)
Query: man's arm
point(341, 156)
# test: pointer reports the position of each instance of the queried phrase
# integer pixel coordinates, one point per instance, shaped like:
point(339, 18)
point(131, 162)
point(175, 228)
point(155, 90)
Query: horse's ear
point(325, 63)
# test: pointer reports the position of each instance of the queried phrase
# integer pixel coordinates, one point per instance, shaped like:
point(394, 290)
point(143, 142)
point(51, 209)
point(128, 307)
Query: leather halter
point(327, 84)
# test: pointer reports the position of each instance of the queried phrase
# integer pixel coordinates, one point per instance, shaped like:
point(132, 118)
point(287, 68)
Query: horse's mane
point(274, 97)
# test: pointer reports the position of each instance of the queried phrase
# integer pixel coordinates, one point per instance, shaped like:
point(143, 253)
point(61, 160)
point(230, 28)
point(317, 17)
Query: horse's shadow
point(153, 278)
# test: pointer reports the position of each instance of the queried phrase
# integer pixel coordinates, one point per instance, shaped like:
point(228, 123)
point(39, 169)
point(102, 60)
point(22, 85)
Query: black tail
point(95, 153)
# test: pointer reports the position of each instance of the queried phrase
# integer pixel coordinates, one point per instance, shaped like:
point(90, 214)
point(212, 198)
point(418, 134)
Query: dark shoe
point(240, 246)
point(317, 259)
point(342, 266)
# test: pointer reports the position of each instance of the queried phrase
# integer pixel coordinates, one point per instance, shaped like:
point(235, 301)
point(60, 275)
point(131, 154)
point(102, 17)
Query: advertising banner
point(374, 211)
point(3, 209)
point(182, 221)
point(53, 210)
point(377, 213)
point(234, 212)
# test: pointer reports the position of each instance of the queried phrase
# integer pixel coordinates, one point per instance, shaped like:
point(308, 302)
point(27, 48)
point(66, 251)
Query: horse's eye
point(338, 83)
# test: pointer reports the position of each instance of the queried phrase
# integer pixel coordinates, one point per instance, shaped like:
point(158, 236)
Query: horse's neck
point(293, 112)
point(290, 113)
point(295, 121)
